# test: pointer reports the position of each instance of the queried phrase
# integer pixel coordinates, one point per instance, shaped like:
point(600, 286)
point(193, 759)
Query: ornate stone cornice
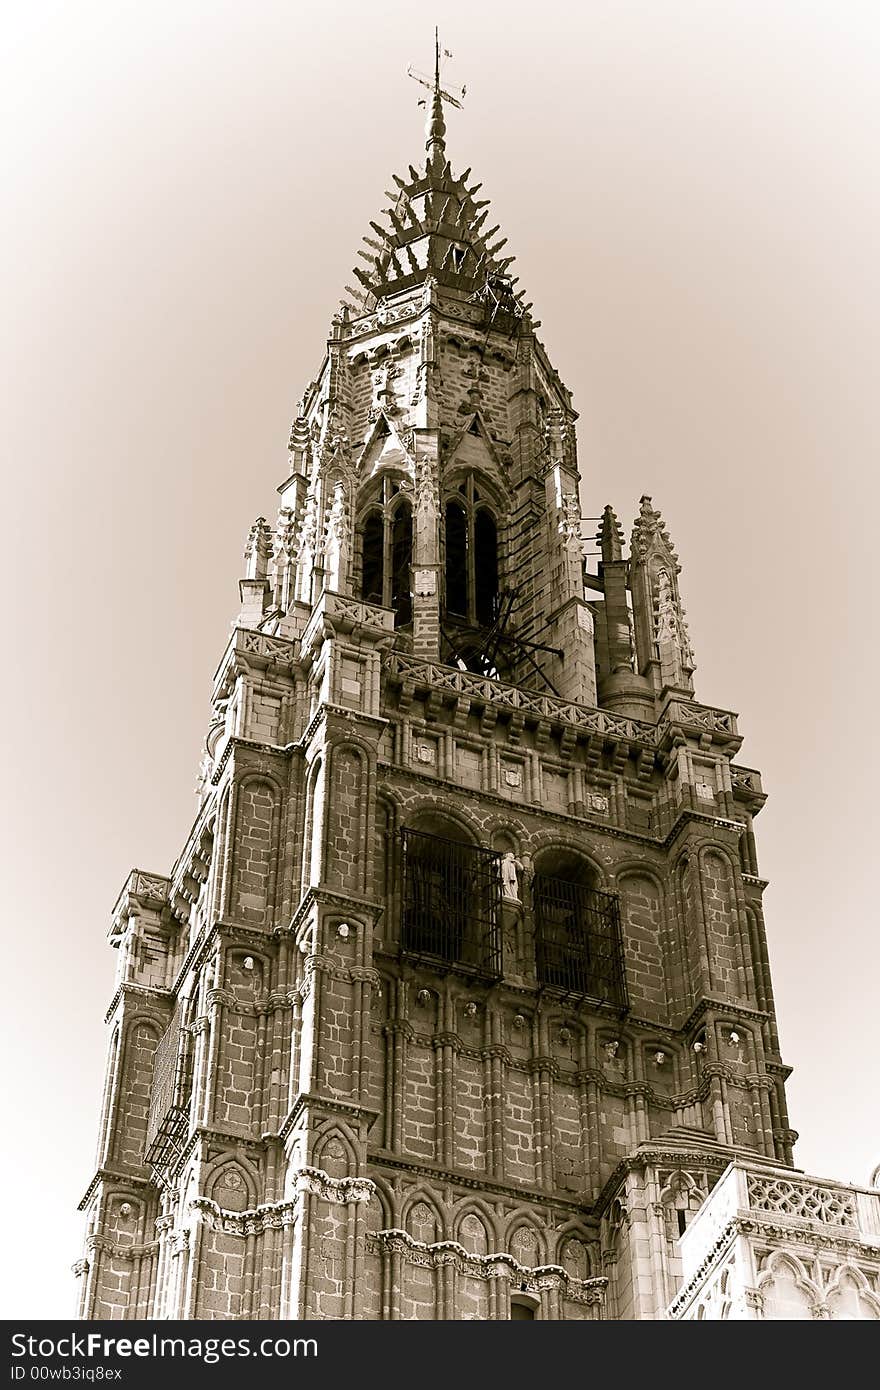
point(111, 1175)
point(327, 1104)
point(726, 1008)
point(715, 1157)
point(338, 1190)
point(227, 1138)
point(275, 1215)
point(265, 651)
point(271, 1216)
point(497, 1266)
point(782, 1070)
point(350, 903)
point(235, 741)
point(153, 994)
point(835, 1238)
point(513, 699)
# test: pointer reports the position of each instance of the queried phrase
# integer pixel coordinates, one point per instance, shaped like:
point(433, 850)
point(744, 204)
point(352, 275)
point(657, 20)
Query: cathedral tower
point(456, 1002)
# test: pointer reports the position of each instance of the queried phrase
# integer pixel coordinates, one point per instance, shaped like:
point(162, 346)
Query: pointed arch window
point(471, 557)
point(386, 537)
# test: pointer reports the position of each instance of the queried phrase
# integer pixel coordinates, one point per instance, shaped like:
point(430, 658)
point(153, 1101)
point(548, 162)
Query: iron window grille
point(578, 941)
point(451, 911)
point(168, 1120)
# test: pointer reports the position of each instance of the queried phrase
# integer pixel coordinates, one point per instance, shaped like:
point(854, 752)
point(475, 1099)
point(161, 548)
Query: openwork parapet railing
point(168, 1120)
point(578, 941)
point(451, 911)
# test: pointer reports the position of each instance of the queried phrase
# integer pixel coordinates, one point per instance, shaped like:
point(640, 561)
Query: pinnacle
point(649, 526)
point(258, 549)
point(299, 432)
point(610, 536)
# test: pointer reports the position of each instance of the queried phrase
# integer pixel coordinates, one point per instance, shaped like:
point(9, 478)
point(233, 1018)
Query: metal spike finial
point(435, 126)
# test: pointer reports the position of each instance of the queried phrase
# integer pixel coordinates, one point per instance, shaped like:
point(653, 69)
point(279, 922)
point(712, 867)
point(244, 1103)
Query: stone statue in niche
point(509, 868)
point(570, 520)
point(203, 779)
point(665, 612)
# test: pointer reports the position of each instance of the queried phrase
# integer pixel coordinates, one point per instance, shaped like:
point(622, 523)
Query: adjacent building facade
point(456, 1003)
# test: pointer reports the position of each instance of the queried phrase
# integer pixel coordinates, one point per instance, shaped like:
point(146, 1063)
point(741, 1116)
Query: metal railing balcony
point(451, 907)
point(578, 941)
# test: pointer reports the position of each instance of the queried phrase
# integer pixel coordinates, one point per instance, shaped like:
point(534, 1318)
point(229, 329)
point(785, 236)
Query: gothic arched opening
point(485, 568)
point(457, 558)
point(401, 561)
point(578, 943)
point(386, 541)
point(471, 557)
point(450, 897)
point(372, 565)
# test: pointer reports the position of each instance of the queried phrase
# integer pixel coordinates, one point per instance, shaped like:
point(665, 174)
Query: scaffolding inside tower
point(168, 1119)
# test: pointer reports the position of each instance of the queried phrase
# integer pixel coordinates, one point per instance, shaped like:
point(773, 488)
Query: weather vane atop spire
point(435, 126)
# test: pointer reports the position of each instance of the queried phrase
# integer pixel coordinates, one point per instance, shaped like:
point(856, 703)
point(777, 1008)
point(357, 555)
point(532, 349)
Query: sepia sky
point(691, 193)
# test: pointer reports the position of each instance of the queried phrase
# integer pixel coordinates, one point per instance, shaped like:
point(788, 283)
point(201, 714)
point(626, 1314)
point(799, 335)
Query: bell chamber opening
point(386, 542)
point(471, 557)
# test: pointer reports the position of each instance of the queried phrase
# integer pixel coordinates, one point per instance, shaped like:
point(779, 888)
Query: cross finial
point(435, 126)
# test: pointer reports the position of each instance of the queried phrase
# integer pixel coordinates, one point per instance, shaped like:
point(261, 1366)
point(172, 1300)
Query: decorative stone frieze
point(498, 1266)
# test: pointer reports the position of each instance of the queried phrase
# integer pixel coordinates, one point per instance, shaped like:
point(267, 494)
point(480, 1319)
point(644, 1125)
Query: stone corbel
point(340, 1191)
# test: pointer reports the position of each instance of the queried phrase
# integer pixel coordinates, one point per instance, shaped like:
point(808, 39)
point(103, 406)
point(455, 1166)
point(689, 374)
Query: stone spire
point(662, 640)
point(616, 611)
point(437, 228)
point(254, 587)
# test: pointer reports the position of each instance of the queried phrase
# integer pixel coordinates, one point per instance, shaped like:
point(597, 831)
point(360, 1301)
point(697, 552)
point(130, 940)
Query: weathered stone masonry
point(456, 1003)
